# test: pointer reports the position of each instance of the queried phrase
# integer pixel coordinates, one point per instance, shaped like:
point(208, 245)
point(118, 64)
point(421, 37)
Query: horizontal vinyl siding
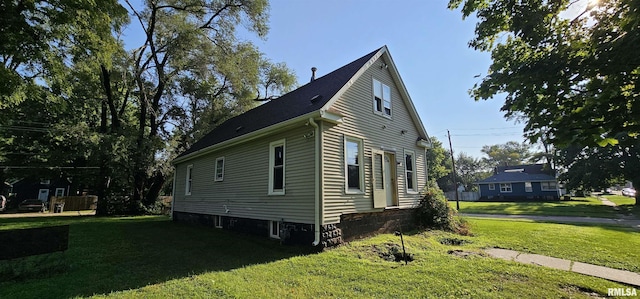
point(246, 178)
point(356, 105)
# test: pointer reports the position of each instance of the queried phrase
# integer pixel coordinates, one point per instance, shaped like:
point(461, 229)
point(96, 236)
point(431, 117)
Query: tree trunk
point(157, 182)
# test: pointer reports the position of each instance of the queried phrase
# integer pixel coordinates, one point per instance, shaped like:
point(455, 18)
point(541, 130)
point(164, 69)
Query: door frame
point(378, 171)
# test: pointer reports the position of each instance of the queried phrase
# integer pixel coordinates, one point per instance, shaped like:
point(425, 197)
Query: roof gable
point(315, 96)
point(295, 103)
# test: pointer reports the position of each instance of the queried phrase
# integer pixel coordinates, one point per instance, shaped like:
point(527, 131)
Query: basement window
point(274, 229)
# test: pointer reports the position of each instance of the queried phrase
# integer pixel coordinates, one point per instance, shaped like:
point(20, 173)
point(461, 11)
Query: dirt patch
point(574, 289)
point(462, 253)
point(392, 252)
point(453, 241)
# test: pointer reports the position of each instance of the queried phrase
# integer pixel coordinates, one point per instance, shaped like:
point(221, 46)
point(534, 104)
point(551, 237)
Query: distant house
point(338, 158)
point(521, 182)
point(39, 188)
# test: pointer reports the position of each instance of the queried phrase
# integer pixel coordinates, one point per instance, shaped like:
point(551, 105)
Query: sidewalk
point(562, 219)
point(626, 277)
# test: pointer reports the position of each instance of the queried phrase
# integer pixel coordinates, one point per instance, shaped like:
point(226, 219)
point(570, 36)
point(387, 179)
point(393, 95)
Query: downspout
point(173, 191)
point(316, 225)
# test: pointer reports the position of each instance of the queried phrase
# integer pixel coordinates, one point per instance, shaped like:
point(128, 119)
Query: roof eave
point(251, 136)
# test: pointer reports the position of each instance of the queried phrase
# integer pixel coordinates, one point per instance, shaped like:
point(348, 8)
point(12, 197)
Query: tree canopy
point(572, 78)
point(73, 97)
point(510, 153)
point(573, 81)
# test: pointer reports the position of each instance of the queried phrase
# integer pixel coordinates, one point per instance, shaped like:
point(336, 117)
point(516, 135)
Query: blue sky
point(428, 43)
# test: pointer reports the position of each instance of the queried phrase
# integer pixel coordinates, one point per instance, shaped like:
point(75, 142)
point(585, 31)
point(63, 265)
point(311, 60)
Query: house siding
point(244, 190)
point(518, 191)
point(376, 131)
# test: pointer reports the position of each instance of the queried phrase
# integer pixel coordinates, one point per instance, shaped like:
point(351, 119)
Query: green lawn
point(151, 257)
point(577, 206)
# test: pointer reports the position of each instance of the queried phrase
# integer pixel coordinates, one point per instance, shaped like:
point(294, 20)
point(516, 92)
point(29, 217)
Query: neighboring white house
point(338, 158)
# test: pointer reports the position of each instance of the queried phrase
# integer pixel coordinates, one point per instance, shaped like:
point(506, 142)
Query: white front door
point(43, 194)
point(378, 179)
point(389, 181)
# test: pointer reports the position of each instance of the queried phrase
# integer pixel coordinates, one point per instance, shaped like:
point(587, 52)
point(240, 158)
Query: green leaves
point(575, 81)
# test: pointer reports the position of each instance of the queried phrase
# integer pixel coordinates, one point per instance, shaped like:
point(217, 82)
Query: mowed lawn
point(577, 206)
point(151, 257)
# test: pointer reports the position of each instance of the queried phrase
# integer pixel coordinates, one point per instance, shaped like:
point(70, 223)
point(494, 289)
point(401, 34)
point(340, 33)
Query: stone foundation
point(351, 226)
point(290, 233)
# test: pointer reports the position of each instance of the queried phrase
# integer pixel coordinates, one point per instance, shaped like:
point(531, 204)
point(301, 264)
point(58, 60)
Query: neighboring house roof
point(528, 168)
point(516, 177)
point(519, 173)
point(313, 97)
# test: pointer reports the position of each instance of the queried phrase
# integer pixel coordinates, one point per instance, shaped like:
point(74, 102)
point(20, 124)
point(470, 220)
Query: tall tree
point(510, 153)
point(573, 80)
point(438, 161)
point(471, 170)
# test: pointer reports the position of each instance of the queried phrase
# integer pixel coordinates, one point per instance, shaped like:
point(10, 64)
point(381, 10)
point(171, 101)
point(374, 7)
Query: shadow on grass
point(114, 254)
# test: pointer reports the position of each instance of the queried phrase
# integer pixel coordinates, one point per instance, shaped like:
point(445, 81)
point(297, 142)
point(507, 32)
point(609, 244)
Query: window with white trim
point(505, 187)
point(219, 171)
point(276, 167)
point(217, 221)
point(381, 98)
point(59, 192)
point(492, 186)
point(410, 171)
point(548, 186)
point(353, 153)
point(189, 180)
point(274, 229)
point(528, 187)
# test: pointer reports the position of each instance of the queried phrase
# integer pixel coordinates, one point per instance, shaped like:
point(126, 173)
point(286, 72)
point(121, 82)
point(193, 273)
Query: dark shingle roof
point(288, 106)
point(514, 177)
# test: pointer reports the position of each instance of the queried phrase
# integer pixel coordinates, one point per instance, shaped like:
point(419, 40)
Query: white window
point(410, 171)
point(217, 221)
point(548, 186)
point(274, 229)
point(528, 187)
point(354, 179)
point(492, 186)
point(219, 173)
point(381, 98)
point(276, 167)
point(59, 192)
point(189, 180)
point(505, 187)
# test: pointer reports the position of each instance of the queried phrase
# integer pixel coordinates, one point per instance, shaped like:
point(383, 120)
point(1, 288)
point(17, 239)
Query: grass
point(609, 246)
point(151, 257)
point(577, 206)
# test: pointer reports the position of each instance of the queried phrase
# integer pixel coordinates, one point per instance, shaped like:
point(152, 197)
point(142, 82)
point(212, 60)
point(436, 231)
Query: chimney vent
point(313, 73)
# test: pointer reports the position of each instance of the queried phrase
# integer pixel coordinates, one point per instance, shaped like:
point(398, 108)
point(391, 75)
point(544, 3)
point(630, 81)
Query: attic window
point(381, 98)
point(316, 98)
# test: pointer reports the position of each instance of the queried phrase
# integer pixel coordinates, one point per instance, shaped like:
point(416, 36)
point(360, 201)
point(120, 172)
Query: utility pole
point(453, 164)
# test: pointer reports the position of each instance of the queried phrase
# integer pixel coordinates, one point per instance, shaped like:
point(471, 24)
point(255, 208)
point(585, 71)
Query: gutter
point(316, 225)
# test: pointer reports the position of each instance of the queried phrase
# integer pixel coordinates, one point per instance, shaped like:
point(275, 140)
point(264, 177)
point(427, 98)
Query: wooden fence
point(462, 196)
point(74, 203)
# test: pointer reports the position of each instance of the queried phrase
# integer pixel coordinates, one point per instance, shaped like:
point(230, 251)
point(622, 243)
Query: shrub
point(435, 212)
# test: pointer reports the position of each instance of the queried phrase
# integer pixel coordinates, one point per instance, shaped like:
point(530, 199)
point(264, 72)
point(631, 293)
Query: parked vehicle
point(31, 205)
point(629, 192)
